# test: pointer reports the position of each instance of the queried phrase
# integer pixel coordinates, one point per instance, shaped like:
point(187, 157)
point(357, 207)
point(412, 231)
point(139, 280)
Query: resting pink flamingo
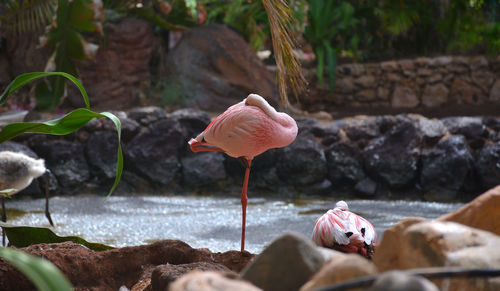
point(345, 231)
point(243, 131)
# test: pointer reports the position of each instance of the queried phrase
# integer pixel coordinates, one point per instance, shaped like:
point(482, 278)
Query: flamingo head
point(342, 205)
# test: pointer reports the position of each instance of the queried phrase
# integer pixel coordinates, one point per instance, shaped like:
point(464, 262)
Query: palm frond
point(289, 68)
point(28, 15)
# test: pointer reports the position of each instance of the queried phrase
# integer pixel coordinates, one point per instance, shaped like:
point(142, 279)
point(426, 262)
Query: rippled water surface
point(210, 222)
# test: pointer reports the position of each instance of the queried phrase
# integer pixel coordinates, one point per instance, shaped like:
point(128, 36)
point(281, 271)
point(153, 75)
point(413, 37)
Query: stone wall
point(396, 157)
point(415, 83)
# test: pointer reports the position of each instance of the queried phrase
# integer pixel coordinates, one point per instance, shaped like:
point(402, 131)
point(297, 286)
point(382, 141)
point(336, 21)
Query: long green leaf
point(24, 79)
point(45, 275)
point(23, 236)
point(65, 125)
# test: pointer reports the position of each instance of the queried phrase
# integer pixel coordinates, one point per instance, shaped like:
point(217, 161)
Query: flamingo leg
point(4, 219)
point(244, 200)
point(47, 213)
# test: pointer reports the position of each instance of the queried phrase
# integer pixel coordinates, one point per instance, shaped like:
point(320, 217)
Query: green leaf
point(44, 275)
point(24, 79)
point(65, 125)
point(81, 16)
point(5, 192)
point(191, 6)
point(74, 45)
point(23, 236)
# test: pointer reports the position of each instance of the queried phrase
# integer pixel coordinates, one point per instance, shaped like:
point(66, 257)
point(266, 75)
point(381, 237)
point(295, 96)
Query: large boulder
point(393, 157)
point(101, 150)
point(203, 171)
point(488, 165)
point(481, 213)
point(445, 168)
point(345, 165)
point(471, 127)
point(444, 244)
point(210, 281)
point(286, 264)
point(213, 68)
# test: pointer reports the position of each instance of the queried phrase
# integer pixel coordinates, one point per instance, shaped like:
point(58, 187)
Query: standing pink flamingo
point(345, 231)
point(243, 131)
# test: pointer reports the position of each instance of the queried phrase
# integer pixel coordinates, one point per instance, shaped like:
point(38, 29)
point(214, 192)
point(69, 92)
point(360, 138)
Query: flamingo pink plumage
point(243, 131)
point(345, 231)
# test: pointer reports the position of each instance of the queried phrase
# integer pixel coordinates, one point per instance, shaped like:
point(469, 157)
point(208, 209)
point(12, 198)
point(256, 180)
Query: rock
point(389, 250)
point(286, 264)
point(204, 171)
point(344, 164)
point(336, 270)
point(120, 72)
point(361, 128)
point(192, 121)
point(307, 125)
point(366, 81)
point(481, 213)
point(101, 150)
point(164, 275)
point(111, 269)
point(67, 162)
point(215, 68)
point(147, 115)
point(404, 97)
point(463, 92)
point(397, 280)
point(154, 152)
point(432, 130)
point(495, 91)
point(392, 158)
point(304, 155)
point(488, 165)
point(366, 187)
point(445, 168)
point(471, 127)
point(438, 244)
point(211, 281)
point(435, 95)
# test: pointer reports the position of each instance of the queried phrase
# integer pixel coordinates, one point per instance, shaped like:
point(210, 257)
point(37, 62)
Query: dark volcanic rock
point(67, 162)
point(470, 127)
point(101, 150)
point(432, 130)
point(488, 165)
point(445, 168)
point(154, 152)
point(302, 163)
point(204, 170)
point(215, 68)
point(147, 115)
point(393, 157)
point(365, 128)
point(345, 164)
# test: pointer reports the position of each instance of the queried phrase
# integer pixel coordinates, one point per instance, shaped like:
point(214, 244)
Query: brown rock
point(211, 281)
point(121, 67)
point(438, 244)
point(435, 95)
point(387, 254)
point(464, 92)
point(108, 270)
point(442, 61)
point(366, 95)
point(383, 93)
point(344, 85)
point(397, 281)
point(389, 66)
point(495, 92)
point(163, 275)
point(214, 68)
point(338, 269)
point(482, 212)
point(483, 78)
point(404, 97)
point(434, 78)
point(366, 81)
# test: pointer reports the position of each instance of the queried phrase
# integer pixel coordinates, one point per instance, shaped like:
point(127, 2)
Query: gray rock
point(147, 115)
point(215, 68)
point(445, 168)
point(154, 152)
point(397, 280)
point(163, 275)
point(366, 187)
point(470, 127)
point(345, 164)
point(192, 121)
point(432, 130)
point(393, 157)
point(304, 155)
point(67, 162)
point(101, 150)
point(203, 170)
point(488, 165)
point(363, 128)
point(286, 264)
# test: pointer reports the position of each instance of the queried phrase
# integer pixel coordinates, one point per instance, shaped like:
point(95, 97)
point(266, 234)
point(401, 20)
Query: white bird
point(17, 171)
point(345, 231)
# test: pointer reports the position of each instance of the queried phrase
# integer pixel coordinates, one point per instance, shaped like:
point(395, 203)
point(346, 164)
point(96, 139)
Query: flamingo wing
point(364, 228)
point(330, 229)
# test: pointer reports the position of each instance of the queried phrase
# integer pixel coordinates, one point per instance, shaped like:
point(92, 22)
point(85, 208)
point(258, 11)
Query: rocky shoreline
point(466, 238)
point(405, 156)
